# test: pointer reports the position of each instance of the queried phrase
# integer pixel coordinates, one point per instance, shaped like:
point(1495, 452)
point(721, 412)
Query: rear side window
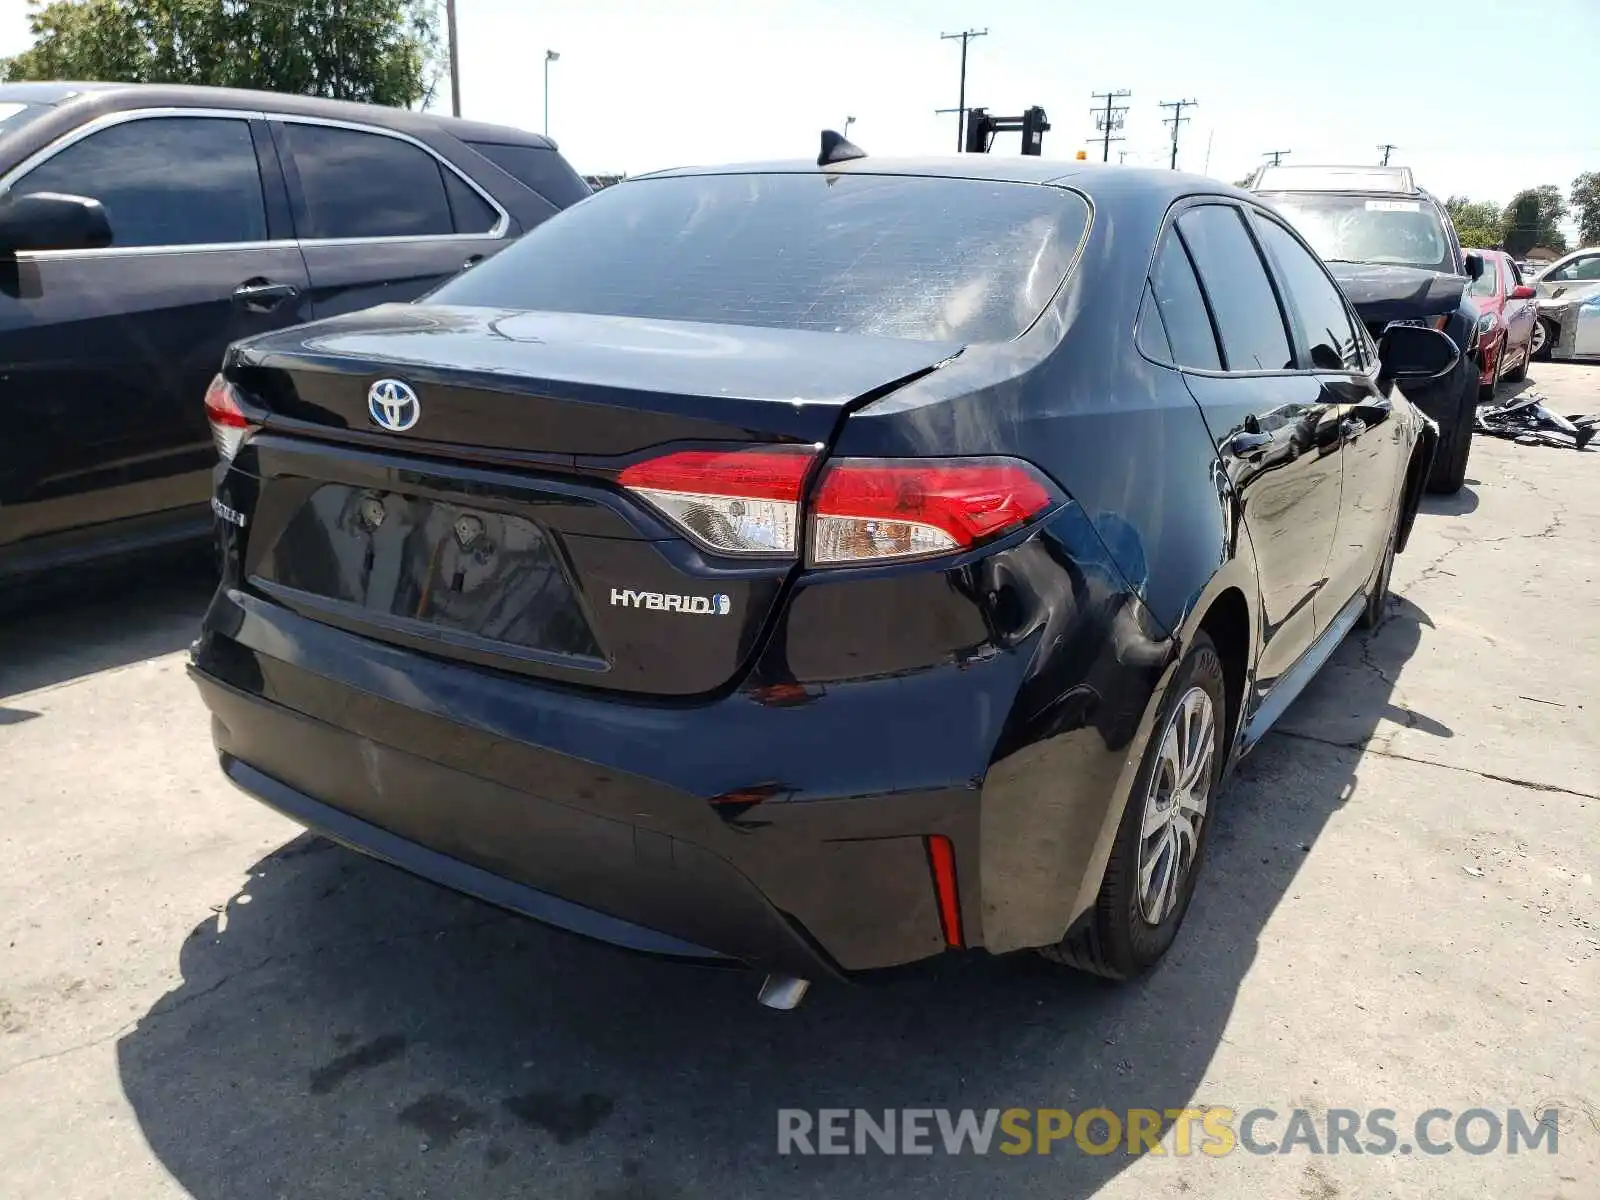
point(1183, 308)
point(545, 171)
point(1316, 299)
point(893, 256)
point(361, 185)
point(164, 181)
point(1235, 281)
point(469, 212)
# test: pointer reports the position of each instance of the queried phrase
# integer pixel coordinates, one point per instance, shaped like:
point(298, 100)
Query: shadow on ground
point(344, 1030)
point(75, 624)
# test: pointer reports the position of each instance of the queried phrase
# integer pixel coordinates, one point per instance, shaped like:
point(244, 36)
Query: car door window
point(1249, 322)
point(1331, 335)
point(164, 181)
point(355, 184)
point(1578, 268)
point(1488, 283)
point(1182, 308)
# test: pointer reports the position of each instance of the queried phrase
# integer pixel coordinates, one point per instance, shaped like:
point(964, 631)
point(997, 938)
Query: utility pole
point(1108, 119)
point(550, 56)
point(1387, 148)
point(966, 35)
point(1176, 120)
point(1276, 155)
point(455, 60)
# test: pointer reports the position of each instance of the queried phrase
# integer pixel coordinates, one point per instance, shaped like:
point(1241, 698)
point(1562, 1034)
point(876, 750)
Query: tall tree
point(1533, 218)
point(380, 51)
point(1586, 199)
point(1477, 222)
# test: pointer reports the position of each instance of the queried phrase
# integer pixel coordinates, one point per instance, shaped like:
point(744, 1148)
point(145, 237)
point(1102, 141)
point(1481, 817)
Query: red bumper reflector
point(942, 858)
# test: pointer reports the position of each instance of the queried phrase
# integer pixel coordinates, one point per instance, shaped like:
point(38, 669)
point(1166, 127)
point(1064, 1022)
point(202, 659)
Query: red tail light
point(229, 425)
point(731, 501)
point(874, 509)
point(942, 861)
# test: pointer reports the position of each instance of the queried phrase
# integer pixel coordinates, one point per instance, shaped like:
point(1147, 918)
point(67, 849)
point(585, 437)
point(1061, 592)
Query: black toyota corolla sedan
point(816, 567)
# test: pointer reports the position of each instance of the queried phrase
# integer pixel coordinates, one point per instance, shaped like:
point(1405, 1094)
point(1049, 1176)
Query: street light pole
point(550, 56)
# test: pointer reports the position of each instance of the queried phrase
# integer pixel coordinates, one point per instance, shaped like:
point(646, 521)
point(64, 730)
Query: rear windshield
point(545, 171)
point(1368, 229)
point(912, 257)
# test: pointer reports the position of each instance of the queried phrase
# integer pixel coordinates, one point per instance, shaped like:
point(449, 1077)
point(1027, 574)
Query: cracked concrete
point(1399, 911)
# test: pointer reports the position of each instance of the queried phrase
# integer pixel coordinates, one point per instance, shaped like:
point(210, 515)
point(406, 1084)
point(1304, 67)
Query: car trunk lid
point(496, 528)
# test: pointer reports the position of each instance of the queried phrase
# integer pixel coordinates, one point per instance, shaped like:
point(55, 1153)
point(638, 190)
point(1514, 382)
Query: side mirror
point(52, 221)
point(1474, 264)
point(1522, 292)
point(1415, 353)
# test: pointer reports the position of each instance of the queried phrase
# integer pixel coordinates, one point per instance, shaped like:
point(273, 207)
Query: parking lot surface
point(1399, 912)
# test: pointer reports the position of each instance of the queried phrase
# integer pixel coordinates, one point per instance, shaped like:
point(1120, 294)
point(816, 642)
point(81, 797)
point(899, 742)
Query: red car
point(1505, 328)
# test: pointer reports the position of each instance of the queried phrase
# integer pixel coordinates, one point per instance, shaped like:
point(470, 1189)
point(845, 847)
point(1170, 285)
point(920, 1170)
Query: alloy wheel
point(1536, 343)
point(1175, 805)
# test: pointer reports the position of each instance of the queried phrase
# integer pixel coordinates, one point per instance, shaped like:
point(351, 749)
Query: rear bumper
point(692, 831)
point(452, 872)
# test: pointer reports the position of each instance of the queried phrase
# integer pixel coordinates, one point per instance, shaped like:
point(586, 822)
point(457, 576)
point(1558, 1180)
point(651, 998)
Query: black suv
point(1394, 250)
point(143, 228)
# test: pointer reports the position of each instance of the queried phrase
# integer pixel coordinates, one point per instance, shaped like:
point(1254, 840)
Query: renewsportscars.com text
point(1176, 1131)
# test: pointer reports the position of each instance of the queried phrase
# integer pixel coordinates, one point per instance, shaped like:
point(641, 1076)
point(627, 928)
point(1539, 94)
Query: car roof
point(114, 97)
point(1308, 177)
point(1088, 177)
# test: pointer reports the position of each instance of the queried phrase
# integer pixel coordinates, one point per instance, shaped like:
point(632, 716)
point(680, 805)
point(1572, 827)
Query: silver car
point(1561, 286)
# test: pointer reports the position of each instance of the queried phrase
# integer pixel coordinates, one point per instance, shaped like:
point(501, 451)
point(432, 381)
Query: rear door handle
point(472, 261)
point(262, 295)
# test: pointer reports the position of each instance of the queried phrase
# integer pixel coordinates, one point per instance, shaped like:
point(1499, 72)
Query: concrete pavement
point(1399, 912)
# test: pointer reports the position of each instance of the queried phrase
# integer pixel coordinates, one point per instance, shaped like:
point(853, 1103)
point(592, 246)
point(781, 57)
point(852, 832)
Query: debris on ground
point(1528, 420)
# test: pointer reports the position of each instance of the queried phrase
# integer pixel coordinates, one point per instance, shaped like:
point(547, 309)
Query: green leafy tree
point(1586, 200)
point(379, 51)
point(1477, 222)
point(1533, 218)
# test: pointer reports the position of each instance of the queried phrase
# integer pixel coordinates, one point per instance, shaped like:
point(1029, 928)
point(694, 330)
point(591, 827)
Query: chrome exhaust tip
point(783, 992)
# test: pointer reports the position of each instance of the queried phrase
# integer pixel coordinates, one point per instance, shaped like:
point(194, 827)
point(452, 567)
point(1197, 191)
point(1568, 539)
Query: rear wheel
point(1150, 877)
point(1544, 339)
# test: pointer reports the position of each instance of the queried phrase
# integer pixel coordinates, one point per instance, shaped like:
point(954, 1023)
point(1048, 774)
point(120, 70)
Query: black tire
point(1520, 375)
point(1486, 391)
point(1114, 939)
point(1378, 595)
point(1545, 344)
point(1455, 444)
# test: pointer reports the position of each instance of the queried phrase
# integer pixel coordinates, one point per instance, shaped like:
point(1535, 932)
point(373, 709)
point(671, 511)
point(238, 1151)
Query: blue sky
point(1481, 96)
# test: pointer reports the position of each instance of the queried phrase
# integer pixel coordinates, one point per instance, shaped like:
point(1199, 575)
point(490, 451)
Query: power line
point(966, 35)
point(1175, 120)
point(1387, 147)
point(1276, 155)
point(1108, 119)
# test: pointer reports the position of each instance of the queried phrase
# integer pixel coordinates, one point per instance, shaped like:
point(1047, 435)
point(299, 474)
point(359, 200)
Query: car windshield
point(929, 259)
point(1368, 229)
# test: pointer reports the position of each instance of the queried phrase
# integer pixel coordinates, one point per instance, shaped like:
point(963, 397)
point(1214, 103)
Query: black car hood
point(1385, 293)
